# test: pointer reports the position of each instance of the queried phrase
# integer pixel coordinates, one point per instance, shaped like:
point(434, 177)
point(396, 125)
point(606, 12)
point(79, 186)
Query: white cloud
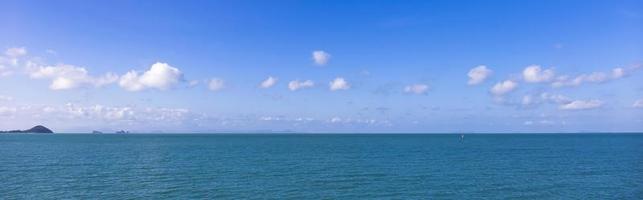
point(270, 118)
point(594, 77)
point(416, 88)
point(296, 120)
point(638, 103)
point(193, 83)
point(7, 111)
point(542, 122)
point(130, 81)
point(531, 100)
point(563, 102)
point(10, 60)
point(478, 75)
point(581, 105)
point(367, 122)
point(216, 84)
point(527, 100)
point(296, 84)
point(335, 120)
point(4, 70)
point(65, 77)
point(504, 87)
point(99, 112)
point(535, 74)
point(112, 114)
point(16, 52)
point(321, 57)
point(5, 98)
point(339, 84)
point(269, 82)
point(555, 98)
point(618, 73)
point(160, 76)
point(51, 51)
point(96, 114)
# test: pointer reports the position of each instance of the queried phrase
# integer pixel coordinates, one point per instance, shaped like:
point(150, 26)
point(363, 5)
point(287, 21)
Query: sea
point(321, 166)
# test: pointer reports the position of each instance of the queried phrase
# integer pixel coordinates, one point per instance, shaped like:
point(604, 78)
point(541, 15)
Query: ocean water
point(316, 166)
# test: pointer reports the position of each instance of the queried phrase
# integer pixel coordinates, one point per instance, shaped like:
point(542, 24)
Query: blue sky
point(336, 66)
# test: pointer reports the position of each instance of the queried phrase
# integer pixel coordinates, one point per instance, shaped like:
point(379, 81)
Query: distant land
point(35, 129)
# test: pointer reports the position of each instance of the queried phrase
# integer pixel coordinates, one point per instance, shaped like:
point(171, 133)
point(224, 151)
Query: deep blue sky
point(398, 66)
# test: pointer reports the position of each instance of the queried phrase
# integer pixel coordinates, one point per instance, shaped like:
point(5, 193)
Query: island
point(35, 129)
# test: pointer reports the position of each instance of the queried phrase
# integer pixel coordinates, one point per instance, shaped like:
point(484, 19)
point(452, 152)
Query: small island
point(35, 129)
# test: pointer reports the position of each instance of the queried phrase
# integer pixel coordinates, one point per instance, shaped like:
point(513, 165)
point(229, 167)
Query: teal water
point(489, 166)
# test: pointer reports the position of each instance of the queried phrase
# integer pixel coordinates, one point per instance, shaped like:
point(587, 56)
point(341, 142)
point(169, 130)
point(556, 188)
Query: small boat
point(461, 137)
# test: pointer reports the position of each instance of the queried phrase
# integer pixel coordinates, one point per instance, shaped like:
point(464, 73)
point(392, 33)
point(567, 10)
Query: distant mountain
point(35, 129)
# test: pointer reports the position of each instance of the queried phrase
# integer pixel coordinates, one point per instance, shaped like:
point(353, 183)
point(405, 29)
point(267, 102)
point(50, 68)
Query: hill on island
point(35, 129)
